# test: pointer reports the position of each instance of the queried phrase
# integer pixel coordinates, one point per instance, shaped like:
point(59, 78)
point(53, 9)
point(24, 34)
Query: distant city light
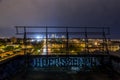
point(38, 37)
point(32, 40)
point(38, 50)
point(96, 43)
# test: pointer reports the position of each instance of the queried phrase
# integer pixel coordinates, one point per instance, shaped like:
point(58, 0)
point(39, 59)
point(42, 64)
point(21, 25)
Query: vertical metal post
point(86, 41)
point(25, 46)
point(46, 40)
point(16, 29)
point(67, 42)
point(105, 42)
point(86, 47)
point(24, 40)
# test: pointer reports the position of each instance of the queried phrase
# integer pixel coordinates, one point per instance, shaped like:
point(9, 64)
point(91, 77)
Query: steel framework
point(69, 33)
point(85, 33)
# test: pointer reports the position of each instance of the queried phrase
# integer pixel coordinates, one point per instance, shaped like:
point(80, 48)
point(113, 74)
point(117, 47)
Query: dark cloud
point(59, 12)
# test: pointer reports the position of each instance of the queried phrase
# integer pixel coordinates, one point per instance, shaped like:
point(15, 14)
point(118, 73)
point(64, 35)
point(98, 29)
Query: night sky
point(88, 13)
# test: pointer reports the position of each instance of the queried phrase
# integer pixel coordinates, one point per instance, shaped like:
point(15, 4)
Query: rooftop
point(54, 57)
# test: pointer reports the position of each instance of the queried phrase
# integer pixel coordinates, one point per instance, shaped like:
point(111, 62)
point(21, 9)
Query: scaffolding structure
point(68, 34)
point(51, 33)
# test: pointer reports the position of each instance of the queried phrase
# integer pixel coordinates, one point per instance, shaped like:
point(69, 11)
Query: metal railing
point(66, 35)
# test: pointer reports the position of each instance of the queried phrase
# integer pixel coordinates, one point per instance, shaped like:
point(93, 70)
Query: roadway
point(10, 54)
point(44, 48)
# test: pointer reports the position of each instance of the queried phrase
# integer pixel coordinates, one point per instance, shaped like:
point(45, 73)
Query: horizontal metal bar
point(80, 55)
point(60, 27)
point(70, 33)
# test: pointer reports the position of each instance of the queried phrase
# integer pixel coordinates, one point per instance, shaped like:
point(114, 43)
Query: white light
point(38, 37)
point(38, 40)
point(32, 40)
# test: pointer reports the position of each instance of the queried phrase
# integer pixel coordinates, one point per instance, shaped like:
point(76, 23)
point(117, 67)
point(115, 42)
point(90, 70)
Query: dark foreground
point(42, 75)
